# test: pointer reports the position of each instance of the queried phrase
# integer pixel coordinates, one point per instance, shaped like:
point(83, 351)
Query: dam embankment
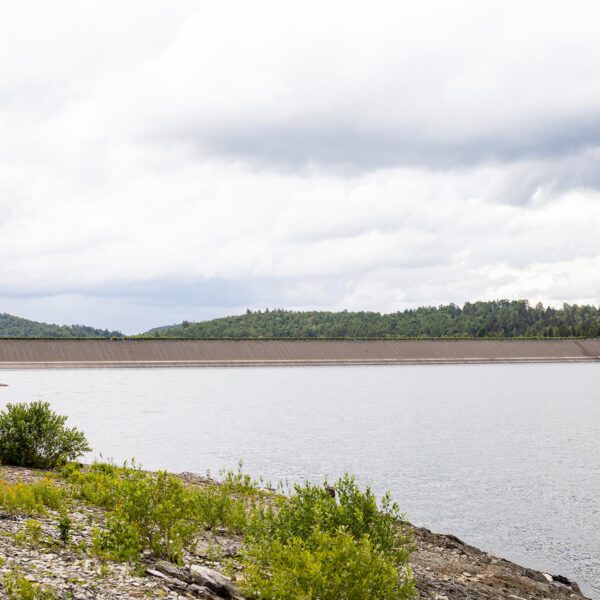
point(19, 353)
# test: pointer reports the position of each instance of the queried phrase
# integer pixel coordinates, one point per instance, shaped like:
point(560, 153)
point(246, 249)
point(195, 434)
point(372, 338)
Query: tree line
point(492, 319)
point(16, 327)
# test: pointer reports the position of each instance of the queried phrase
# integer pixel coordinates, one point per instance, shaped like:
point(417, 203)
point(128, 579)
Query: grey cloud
point(335, 143)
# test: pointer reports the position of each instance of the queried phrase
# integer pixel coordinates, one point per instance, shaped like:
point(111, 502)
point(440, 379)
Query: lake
point(507, 457)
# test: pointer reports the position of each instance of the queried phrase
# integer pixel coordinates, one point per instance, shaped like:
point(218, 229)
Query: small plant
point(32, 435)
point(32, 531)
point(18, 587)
point(238, 482)
point(329, 543)
point(64, 527)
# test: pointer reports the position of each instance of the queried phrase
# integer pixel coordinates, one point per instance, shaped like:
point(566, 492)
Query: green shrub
point(327, 566)
point(217, 507)
point(315, 545)
point(153, 511)
point(98, 485)
point(32, 435)
point(64, 527)
point(30, 498)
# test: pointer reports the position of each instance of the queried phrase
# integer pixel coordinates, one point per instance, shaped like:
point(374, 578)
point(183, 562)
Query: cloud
point(161, 162)
point(371, 85)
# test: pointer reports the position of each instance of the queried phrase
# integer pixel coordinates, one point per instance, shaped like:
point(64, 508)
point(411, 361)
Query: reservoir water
point(507, 457)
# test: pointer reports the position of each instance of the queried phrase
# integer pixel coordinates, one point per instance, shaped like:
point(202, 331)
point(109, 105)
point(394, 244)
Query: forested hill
point(501, 318)
point(11, 326)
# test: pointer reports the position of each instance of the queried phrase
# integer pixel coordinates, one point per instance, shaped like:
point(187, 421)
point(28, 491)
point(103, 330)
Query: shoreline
point(444, 566)
point(281, 363)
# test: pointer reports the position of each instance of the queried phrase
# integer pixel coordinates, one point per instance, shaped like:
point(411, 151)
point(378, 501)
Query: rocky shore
point(445, 568)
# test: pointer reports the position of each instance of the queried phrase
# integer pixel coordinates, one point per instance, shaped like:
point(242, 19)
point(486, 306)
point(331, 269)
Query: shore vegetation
point(33, 435)
point(320, 541)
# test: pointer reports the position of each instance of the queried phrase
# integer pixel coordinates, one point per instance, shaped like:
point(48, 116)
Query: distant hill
point(11, 326)
point(499, 319)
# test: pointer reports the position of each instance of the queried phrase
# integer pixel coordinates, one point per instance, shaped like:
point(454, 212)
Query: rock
point(201, 591)
point(172, 571)
point(214, 581)
point(562, 580)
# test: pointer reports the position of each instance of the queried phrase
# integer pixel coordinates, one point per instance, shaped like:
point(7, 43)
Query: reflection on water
point(505, 456)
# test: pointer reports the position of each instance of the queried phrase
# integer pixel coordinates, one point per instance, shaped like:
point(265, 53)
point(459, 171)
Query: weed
point(64, 527)
point(32, 531)
point(18, 587)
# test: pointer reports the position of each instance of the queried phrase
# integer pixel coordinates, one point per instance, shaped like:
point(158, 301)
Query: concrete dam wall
point(230, 353)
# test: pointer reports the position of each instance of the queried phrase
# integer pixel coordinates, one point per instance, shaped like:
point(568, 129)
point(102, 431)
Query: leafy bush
point(217, 507)
point(32, 435)
point(30, 498)
point(99, 485)
point(315, 545)
point(152, 511)
point(327, 566)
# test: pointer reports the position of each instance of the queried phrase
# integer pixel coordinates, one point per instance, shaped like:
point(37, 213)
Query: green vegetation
point(18, 587)
point(328, 543)
point(32, 435)
point(153, 511)
point(30, 498)
point(496, 319)
point(321, 542)
point(16, 327)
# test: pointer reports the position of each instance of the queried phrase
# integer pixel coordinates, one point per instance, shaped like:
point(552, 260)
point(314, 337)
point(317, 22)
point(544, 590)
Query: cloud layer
point(180, 160)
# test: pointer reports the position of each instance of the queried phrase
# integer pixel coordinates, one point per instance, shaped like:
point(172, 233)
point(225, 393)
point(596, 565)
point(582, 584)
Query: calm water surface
point(506, 457)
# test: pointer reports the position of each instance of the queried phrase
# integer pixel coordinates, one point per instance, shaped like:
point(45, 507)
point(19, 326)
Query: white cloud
point(161, 161)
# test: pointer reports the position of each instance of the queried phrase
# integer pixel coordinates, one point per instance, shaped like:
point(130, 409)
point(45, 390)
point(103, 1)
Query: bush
point(327, 566)
point(32, 435)
point(30, 498)
point(217, 507)
point(315, 545)
point(153, 511)
point(99, 485)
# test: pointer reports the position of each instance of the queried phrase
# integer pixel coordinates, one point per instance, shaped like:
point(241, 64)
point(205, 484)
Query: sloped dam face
point(198, 353)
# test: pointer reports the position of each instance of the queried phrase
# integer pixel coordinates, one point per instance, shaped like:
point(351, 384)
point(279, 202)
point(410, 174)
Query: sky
point(170, 160)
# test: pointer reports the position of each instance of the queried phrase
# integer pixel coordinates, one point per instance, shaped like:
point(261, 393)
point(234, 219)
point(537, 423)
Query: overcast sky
point(170, 160)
